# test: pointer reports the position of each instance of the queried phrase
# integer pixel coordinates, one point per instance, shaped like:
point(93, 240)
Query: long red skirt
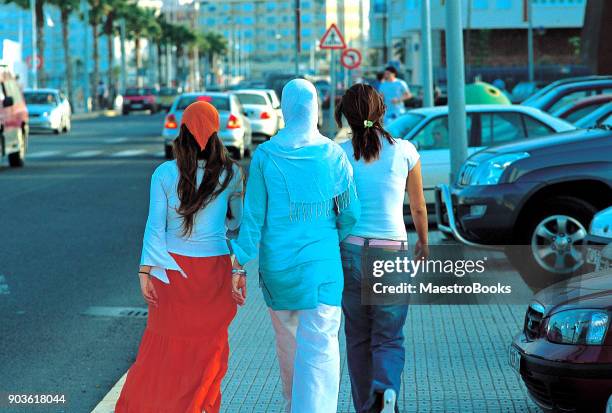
point(184, 350)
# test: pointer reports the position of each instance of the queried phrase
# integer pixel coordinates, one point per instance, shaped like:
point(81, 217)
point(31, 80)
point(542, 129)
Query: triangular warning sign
point(332, 39)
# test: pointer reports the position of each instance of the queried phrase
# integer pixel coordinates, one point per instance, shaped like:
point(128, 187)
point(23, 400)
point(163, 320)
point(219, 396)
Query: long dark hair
point(359, 104)
point(187, 153)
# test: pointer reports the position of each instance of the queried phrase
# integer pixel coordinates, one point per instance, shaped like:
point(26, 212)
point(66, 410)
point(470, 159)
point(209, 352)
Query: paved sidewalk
point(456, 361)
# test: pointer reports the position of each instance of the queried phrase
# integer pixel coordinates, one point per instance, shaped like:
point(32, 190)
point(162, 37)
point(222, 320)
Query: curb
point(107, 404)
point(95, 114)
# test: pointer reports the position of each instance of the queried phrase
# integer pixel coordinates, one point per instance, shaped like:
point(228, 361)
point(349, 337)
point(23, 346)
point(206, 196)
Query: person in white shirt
point(384, 170)
point(395, 92)
point(186, 274)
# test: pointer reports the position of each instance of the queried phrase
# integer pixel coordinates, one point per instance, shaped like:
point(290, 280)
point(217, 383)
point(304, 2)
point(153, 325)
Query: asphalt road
point(70, 235)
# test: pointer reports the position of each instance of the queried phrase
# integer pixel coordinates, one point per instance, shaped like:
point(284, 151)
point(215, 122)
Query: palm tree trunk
point(159, 63)
point(138, 59)
point(40, 40)
point(65, 16)
point(96, 59)
point(111, 75)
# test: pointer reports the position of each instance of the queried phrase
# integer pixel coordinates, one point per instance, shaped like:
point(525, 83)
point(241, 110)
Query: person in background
point(380, 77)
point(102, 94)
point(395, 92)
point(300, 203)
point(185, 274)
point(384, 169)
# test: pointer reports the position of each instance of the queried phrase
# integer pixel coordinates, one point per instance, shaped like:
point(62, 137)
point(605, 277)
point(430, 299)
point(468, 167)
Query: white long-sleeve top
point(163, 232)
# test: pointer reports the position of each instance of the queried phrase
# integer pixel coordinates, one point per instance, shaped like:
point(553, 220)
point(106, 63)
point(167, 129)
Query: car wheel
point(17, 159)
point(168, 152)
point(550, 241)
point(125, 112)
point(247, 151)
point(67, 126)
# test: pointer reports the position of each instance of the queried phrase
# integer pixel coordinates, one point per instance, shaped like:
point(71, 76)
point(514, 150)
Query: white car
point(49, 110)
point(487, 125)
point(235, 131)
point(261, 112)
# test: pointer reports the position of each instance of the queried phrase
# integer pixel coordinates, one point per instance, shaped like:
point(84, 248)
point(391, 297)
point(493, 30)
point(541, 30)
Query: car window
point(219, 102)
point(2, 91)
point(569, 98)
point(400, 127)
point(41, 98)
point(251, 99)
point(582, 112)
point(274, 100)
point(501, 127)
point(434, 135)
point(536, 128)
point(237, 105)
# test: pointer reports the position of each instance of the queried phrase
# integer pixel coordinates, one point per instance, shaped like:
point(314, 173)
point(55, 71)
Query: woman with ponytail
point(384, 170)
point(185, 274)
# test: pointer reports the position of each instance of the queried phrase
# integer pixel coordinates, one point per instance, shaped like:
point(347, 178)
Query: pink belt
point(351, 239)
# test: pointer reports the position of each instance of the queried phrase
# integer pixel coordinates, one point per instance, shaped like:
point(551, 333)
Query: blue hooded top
point(300, 203)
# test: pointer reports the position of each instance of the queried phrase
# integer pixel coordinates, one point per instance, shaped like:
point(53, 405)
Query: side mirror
point(8, 101)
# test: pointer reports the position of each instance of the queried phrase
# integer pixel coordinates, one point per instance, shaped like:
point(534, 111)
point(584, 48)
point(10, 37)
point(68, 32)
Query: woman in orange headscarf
point(186, 274)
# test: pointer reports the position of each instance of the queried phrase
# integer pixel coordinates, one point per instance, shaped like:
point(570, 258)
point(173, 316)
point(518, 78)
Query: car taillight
point(170, 122)
point(233, 122)
point(264, 115)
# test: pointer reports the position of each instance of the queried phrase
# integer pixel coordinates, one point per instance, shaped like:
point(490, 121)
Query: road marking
point(4, 288)
point(84, 154)
point(42, 154)
point(107, 404)
point(128, 152)
point(132, 312)
point(116, 140)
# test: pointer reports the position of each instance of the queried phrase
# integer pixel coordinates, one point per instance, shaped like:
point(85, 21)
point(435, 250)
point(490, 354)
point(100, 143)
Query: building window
point(504, 4)
point(481, 4)
point(306, 5)
point(271, 19)
point(248, 7)
point(306, 32)
point(307, 18)
point(248, 20)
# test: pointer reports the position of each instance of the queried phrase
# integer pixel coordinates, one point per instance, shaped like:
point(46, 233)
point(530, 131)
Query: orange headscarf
point(202, 120)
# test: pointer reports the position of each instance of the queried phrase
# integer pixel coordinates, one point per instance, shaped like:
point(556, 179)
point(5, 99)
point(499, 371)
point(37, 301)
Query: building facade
point(495, 32)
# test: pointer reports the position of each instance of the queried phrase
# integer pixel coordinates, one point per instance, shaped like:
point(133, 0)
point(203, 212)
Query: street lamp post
point(426, 54)
point(85, 8)
point(456, 87)
point(298, 37)
point(530, 57)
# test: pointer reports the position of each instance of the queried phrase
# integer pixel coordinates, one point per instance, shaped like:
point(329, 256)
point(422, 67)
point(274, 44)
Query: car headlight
point(489, 172)
point(578, 327)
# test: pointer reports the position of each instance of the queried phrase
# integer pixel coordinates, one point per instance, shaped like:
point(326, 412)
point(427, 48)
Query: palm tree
point(216, 45)
point(112, 11)
point(182, 37)
point(140, 23)
point(66, 7)
point(161, 41)
point(40, 32)
point(96, 12)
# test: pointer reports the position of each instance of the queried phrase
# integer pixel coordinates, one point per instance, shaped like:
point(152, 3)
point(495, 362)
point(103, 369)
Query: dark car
point(536, 197)
point(564, 353)
point(577, 110)
point(566, 93)
point(140, 98)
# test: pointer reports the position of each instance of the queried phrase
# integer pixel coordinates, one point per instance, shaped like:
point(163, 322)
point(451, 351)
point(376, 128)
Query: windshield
point(399, 128)
point(221, 103)
point(251, 99)
point(38, 98)
point(134, 91)
point(167, 91)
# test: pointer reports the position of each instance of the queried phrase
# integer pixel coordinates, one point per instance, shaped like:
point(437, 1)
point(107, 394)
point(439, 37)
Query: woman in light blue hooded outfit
point(300, 203)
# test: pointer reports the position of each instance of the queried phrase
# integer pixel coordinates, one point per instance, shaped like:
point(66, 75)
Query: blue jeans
point(374, 337)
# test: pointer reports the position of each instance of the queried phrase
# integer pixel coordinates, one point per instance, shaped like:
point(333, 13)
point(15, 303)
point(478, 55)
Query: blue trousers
point(374, 337)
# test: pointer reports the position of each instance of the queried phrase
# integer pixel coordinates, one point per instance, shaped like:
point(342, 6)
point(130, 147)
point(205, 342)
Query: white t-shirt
point(163, 232)
point(381, 185)
point(393, 90)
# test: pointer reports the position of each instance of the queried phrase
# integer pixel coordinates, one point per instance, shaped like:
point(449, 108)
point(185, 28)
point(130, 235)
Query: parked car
point(277, 106)
point(564, 352)
point(599, 252)
point(167, 96)
point(577, 110)
point(260, 110)
point(49, 110)
point(567, 93)
point(536, 196)
point(235, 130)
point(553, 85)
point(600, 116)
point(143, 98)
point(14, 122)
point(427, 129)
